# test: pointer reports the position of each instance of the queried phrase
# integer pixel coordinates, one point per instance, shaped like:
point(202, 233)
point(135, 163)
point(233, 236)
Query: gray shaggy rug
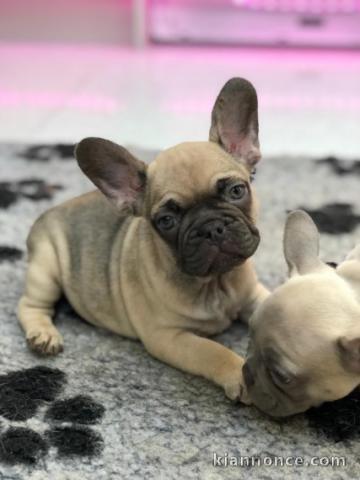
point(104, 409)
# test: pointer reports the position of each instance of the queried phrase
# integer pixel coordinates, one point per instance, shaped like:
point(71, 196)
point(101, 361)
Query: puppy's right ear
point(234, 121)
point(301, 244)
point(117, 173)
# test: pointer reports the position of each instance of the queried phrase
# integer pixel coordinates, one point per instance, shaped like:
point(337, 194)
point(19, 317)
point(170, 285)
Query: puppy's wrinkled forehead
point(189, 171)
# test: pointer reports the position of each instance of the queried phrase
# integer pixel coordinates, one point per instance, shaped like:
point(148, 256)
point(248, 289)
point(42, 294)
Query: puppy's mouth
point(216, 261)
point(203, 257)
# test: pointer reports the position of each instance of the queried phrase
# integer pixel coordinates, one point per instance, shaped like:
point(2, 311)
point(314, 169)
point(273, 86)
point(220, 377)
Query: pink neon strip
point(53, 99)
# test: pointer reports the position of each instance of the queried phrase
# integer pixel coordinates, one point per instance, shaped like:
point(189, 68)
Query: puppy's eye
point(280, 376)
point(166, 222)
point(237, 191)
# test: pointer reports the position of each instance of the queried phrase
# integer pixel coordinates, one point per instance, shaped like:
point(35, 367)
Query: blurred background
point(146, 73)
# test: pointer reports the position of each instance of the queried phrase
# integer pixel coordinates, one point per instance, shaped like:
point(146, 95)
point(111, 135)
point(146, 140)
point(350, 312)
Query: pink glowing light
point(190, 106)
point(56, 100)
point(271, 101)
point(303, 102)
point(301, 6)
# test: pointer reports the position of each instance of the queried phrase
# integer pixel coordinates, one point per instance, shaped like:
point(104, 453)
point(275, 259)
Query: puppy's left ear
point(234, 121)
point(354, 254)
point(301, 244)
point(349, 348)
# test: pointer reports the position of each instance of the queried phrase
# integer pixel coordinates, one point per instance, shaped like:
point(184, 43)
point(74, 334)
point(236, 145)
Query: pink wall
point(88, 21)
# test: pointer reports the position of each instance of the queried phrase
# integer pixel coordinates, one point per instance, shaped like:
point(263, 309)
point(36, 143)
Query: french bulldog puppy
point(305, 338)
point(160, 252)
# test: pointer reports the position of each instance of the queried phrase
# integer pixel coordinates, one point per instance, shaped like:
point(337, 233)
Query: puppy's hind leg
point(36, 306)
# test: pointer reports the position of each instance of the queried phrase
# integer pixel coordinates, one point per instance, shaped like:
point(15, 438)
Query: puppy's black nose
point(213, 231)
point(248, 376)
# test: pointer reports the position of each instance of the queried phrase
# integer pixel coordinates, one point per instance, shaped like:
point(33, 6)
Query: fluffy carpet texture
point(157, 422)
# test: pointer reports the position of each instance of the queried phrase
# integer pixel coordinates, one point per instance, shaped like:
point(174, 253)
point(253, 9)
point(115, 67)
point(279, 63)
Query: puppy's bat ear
point(117, 173)
point(349, 348)
point(349, 270)
point(354, 254)
point(234, 121)
point(301, 244)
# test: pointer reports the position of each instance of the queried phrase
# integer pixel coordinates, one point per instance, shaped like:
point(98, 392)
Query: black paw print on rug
point(334, 218)
point(34, 189)
point(9, 254)
point(43, 153)
point(21, 394)
point(339, 420)
point(341, 167)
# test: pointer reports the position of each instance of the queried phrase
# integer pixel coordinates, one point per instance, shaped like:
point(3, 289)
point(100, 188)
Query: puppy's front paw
point(45, 342)
point(236, 390)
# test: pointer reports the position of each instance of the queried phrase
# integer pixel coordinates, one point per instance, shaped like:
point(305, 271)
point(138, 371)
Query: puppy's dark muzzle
point(237, 238)
point(214, 239)
point(213, 231)
point(248, 376)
